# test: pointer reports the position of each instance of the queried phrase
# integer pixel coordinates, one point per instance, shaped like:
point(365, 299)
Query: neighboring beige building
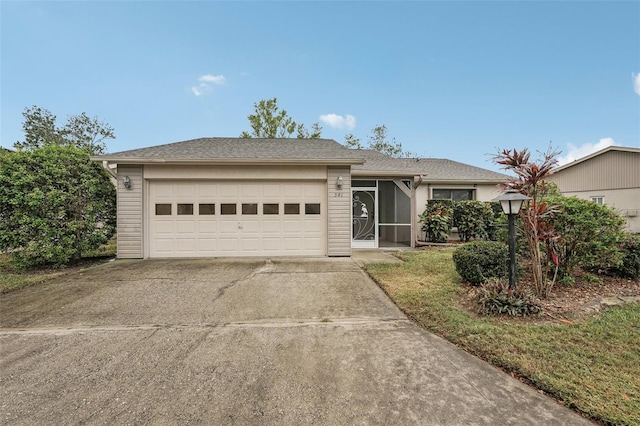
point(610, 176)
point(277, 197)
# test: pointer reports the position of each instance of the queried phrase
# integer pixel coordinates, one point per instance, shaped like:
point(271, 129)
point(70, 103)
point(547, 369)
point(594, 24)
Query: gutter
point(232, 161)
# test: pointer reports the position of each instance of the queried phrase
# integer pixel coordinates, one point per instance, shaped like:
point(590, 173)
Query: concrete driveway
point(247, 342)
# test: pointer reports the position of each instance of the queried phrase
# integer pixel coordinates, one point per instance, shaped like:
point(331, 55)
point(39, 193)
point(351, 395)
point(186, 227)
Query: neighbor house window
point(163, 209)
point(185, 209)
point(598, 200)
point(453, 194)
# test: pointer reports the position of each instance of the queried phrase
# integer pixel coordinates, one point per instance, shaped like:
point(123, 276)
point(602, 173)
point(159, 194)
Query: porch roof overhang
point(381, 174)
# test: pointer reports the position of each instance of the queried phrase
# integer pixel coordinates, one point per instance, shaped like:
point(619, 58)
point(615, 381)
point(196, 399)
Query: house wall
point(130, 212)
point(614, 175)
point(339, 212)
point(624, 201)
point(610, 170)
point(483, 192)
point(131, 223)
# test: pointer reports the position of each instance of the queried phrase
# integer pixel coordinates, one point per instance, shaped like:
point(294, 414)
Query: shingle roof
point(434, 169)
point(239, 149)
point(326, 151)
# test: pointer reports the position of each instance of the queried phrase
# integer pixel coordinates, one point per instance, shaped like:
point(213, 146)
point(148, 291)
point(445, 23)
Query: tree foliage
point(588, 234)
point(81, 131)
point(530, 180)
point(55, 204)
point(269, 121)
point(379, 141)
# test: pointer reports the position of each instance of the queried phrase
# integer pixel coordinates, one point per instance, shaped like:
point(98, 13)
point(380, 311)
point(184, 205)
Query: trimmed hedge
point(480, 261)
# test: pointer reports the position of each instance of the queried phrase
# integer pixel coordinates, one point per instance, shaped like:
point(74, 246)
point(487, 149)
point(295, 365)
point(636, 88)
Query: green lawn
point(592, 366)
point(13, 279)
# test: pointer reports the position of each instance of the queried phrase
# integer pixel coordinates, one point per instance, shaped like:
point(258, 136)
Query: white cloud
point(206, 82)
point(577, 152)
point(338, 121)
point(215, 79)
point(636, 82)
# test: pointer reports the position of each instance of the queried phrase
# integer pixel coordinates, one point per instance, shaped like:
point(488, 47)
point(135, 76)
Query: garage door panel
point(185, 226)
point(164, 245)
point(271, 191)
point(207, 245)
point(228, 227)
point(207, 226)
point(292, 226)
point(185, 245)
point(229, 191)
point(185, 190)
point(215, 234)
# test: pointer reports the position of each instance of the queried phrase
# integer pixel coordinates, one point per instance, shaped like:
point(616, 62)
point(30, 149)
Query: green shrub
point(55, 204)
point(479, 261)
point(473, 219)
point(495, 298)
point(437, 220)
point(588, 234)
point(630, 266)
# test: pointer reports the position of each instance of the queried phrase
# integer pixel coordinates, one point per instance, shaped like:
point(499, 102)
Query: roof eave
point(383, 173)
point(233, 161)
point(427, 180)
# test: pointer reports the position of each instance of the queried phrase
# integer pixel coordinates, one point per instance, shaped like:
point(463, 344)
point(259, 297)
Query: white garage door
point(201, 219)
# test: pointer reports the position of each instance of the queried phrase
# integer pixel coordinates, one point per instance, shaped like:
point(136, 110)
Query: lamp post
point(511, 202)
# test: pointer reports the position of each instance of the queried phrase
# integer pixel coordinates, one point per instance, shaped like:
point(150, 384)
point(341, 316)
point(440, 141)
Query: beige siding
point(339, 212)
point(624, 201)
point(130, 222)
point(610, 170)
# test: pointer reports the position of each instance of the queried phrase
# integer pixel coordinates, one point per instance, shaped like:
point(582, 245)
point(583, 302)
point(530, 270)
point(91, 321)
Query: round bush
point(480, 261)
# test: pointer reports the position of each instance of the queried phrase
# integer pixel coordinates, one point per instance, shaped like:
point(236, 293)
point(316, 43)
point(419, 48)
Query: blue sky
point(455, 80)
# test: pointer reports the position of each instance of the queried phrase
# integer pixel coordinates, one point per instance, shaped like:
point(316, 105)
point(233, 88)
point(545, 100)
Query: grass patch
point(592, 366)
point(13, 279)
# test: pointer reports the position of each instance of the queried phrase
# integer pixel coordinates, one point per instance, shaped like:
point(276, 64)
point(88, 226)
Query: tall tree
point(270, 122)
point(379, 141)
point(81, 131)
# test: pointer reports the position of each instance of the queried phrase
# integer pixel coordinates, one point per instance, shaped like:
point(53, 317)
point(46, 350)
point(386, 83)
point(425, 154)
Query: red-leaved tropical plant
point(530, 180)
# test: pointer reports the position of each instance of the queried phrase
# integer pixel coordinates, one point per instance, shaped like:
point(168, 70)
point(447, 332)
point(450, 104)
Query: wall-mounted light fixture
point(127, 182)
point(339, 182)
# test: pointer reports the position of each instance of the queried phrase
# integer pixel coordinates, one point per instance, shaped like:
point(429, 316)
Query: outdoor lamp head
point(339, 182)
point(511, 201)
point(127, 182)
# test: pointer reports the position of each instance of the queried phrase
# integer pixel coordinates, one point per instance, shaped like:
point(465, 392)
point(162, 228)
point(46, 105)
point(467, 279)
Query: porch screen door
point(364, 229)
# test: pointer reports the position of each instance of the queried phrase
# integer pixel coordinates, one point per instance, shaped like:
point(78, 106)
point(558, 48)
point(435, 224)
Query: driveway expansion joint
point(267, 323)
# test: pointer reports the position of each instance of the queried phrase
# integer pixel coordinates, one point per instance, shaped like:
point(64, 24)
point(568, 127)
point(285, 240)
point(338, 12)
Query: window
point(251, 208)
point(270, 208)
point(312, 208)
point(185, 209)
point(292, 209)
point(227, 209)
point(453, 194)
point(163, 209)
point(598, 200)
point(206, 209)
